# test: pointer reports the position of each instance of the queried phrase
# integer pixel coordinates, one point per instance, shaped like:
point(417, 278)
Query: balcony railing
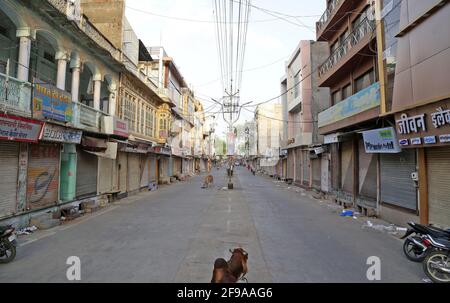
point(15, 95)
point(327, 14)
point(365, 28)
point(86, 117)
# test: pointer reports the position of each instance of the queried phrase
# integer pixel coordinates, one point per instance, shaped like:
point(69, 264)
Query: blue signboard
point(51, 103)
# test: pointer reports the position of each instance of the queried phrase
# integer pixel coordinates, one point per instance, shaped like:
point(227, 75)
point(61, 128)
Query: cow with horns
point(233, 270)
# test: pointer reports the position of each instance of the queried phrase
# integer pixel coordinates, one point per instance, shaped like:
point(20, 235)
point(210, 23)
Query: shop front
point(426, 130)
point(17, 134)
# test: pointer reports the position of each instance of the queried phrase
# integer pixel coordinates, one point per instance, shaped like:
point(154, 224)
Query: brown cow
point(237, 265)
point(207, 181)
point(221, 273)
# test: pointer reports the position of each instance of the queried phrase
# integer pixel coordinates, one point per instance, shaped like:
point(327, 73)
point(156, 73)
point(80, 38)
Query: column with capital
point(23, 65)
point(62, 58)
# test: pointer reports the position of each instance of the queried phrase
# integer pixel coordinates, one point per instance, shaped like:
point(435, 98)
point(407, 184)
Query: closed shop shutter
point(153, 169)
point(122, 163)
point(290, 164)
point(177, 166)
point(145, 161)
point(316, 166)
point(43, 175)
point(298, 165)
point(306, 167)
point(106, 175)
point(347, 167)
point(9, 166)
point(367, 173)
point(87, 168)
point(438, 167)
point(397, 187)
point(134, 172)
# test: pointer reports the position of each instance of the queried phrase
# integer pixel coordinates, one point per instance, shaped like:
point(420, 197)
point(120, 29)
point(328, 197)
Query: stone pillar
point(112, 100)
point(23, 65)
point(97, 92)
point(61, 58)
point(75, 82)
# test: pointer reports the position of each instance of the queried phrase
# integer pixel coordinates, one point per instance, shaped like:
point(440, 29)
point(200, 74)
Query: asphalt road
point(175, 234)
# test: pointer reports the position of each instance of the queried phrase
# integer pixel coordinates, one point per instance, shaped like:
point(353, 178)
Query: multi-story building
point(269, 130)
point(350, 72)
point(414, 77)
point(139, 103)
point(57, 90)
point(302, 102)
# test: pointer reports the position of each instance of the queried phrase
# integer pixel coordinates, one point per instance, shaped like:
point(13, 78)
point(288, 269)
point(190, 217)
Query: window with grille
point(129, 111)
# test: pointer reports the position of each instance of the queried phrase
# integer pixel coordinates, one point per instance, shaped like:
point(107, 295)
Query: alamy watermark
point(73, 272)
point(374, 271)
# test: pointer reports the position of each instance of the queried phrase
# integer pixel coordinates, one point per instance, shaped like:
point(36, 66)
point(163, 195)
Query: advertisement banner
point(51, 102)
point(61, 134)
point(381, 141)
point(231, 138)
point(19, 129)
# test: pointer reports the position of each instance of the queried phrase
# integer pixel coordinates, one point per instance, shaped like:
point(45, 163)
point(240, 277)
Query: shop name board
point(61, 134)
point(51, 102)
point(19, 129)
point(360, 102)
point(383, 140)
point(426, 126)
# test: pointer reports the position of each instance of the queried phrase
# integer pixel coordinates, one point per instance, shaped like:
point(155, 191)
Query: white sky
point(194, 49)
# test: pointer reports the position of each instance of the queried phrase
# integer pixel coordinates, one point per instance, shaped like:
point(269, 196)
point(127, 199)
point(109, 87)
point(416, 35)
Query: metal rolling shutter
point(122, 160)
point(9, 164)
point(306, 167)
point(367, 173)
point(298, 165)
point(106, 175)
point(87, 168)
point(290, 164)
point(152, 169)
point(397, 187)
point(316, 169)
point(145, 161)
point(134, 172)
point(43, 175)
point(438, 168)
point(347, 167)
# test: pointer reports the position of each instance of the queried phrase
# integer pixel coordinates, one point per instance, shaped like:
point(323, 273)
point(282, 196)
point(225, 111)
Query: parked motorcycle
point(417, 245)
point(8, 244)
point(437, 262)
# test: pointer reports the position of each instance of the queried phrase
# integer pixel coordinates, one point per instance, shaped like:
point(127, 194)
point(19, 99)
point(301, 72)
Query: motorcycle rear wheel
point(8, 252)
point(412, 252)
point(435, 260)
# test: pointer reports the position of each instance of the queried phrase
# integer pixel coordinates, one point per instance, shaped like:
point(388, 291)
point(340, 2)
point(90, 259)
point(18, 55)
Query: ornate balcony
point(86, 117)
point(15, 96)
point(326, 17)
point(363, 31)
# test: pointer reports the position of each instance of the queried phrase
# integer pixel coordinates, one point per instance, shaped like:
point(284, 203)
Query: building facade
point(303, 101)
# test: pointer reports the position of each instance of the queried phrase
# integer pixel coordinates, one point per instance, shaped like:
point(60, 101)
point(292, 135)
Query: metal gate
point(9, 166)
point(43, 175)
point(145, 163)
point(367, 168)
point(397, 187)
point(122, 163)
point(316, 168)
point(438, 167)
point(134, 172)
point(152, 160)
point(346, 159)
point(87, 168)
point(106, 175)
point(325, 175)
point(306, 166)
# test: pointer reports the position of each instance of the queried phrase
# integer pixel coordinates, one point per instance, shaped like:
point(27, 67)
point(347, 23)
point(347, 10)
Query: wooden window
point(364, 81)
point(347, 91)
point(336, 97)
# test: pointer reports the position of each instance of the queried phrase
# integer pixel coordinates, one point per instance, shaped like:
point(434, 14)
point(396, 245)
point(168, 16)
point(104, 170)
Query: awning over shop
point(94, 144)
point(109, 153)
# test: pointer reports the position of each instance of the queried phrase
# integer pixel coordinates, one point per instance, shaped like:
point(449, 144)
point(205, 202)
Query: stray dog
point(207, 181)
point(233, 270)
